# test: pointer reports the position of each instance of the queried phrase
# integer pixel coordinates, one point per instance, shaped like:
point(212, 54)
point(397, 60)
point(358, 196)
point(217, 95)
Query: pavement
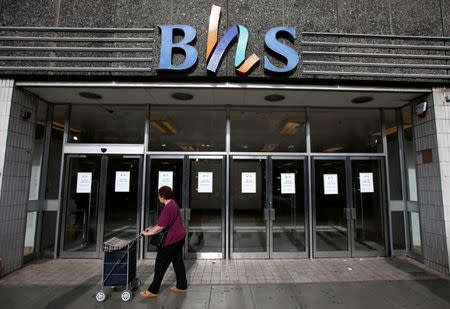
point(398, 282)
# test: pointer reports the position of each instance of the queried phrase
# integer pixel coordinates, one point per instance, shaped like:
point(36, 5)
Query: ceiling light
point(75, 138)
point(90, 95)
point(269, 147)
point(362, 99)
point(289, 128)
point(333, 149)
point(274, 97)
point(169, 126)
point(187, 147)
point(157, 126)
point(182, 96)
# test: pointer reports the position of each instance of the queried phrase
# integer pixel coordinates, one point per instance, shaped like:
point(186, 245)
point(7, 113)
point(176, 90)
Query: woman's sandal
point(148, 294)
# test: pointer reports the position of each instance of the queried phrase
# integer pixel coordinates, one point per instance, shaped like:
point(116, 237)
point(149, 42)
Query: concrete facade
point(386, 17)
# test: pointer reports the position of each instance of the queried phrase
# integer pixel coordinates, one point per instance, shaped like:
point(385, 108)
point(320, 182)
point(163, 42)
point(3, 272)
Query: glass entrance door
point(349, 207)
point(250, 215)
point(288, 208)
point(204, 219)
point(162, 171)
point(101, 200)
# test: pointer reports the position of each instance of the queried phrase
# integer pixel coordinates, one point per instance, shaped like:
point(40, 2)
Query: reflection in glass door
point(368, 201)
point(330, 198)
point(250, 215)
point(122, 197)
point(161, 171)
point(288, 208)
point(101, 201)
point(82, 205)
point(205, 212)
point(349, 207)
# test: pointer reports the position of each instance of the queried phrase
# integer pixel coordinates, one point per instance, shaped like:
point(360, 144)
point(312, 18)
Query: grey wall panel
point(311, 15)
point(421, 17)
point(87, 13)
point(36, 13)
point(15, 159)
point(364, 16)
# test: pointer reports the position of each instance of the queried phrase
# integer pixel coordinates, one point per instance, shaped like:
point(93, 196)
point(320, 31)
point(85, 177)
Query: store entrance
point(199, 186)
point(349, 207)
point(268, 207)
point(101, 201)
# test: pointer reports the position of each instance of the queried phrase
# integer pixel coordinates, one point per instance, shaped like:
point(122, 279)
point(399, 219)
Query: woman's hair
point(165, 192)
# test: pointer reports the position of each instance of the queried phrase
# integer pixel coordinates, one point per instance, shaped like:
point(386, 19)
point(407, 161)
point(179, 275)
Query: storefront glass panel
point(107, 124)
point(187, 129)
point(353, 130)
point(268, 130)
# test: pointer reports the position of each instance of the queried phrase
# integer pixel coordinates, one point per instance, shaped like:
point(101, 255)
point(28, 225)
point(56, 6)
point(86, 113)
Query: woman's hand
point(147, 232)
point(152, 230)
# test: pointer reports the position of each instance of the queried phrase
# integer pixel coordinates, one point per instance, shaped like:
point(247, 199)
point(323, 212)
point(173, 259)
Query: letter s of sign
point(168, 47)
point(275, 46)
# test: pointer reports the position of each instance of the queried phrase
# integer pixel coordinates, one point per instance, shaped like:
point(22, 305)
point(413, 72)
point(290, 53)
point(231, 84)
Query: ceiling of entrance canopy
point(224, 96)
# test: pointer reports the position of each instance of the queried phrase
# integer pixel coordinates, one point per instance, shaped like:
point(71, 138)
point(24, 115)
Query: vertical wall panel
point(15, 167)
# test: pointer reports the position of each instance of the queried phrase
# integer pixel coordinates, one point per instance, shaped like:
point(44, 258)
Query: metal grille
point(372, 56)
point(53, 49)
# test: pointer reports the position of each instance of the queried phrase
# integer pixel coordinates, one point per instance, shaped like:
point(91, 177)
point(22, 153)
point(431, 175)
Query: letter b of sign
point(168, 47)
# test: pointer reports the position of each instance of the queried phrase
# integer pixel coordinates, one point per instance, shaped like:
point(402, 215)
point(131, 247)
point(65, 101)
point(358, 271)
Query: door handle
point(266, 214)
point(272, 214)
point(353, 213)
point(186, 212)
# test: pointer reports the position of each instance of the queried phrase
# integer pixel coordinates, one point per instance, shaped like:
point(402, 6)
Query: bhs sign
point(215, 49)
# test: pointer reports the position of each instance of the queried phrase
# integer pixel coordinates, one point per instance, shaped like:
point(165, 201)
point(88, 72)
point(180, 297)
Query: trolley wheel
point(126, 295)
point(100, 296)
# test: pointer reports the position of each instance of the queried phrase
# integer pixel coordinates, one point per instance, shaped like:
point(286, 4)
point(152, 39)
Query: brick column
point(16, 142)
point(432, 137)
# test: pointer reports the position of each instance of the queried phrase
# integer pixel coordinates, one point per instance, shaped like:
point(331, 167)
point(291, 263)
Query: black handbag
point(158, 240)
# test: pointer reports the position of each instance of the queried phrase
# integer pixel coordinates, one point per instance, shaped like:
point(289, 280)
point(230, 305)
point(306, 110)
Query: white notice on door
point(248, 182)
point(330, 184)
point(205, 182)
point(122, 181)
point(84, 182)
point(366, 182)
point(287, 183)
point(165, 178)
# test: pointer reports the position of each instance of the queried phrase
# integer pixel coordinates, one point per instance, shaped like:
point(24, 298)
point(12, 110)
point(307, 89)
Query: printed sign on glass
point(84, 182)
point(122, 181)
point(248, 182)
point(366, 182)
point(205, 182)
point(330, 184)
point(165, 178)
point(287, 183)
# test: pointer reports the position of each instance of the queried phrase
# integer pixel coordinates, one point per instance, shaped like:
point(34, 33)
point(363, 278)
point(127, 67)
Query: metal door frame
point(299, 254)
point(101, 202)
point(316, 253)
point(187, 171)
point(268, 173)
point(383, 211)
point(149, 157)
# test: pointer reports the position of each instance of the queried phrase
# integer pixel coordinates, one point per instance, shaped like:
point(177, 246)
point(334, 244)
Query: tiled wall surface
point(16, 141)
point(433, 132)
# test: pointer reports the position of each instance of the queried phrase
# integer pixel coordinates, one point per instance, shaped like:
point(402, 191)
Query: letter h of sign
point(215, 51)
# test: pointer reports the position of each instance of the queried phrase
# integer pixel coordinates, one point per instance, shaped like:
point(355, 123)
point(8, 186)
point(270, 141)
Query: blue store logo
point(216, 49)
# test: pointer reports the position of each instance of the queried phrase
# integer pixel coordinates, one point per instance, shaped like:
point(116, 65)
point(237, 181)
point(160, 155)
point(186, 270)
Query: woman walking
point(172, 249)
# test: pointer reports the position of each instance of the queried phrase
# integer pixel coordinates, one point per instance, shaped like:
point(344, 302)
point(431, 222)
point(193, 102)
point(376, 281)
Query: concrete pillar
point(16, 142)
point(432, 140)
